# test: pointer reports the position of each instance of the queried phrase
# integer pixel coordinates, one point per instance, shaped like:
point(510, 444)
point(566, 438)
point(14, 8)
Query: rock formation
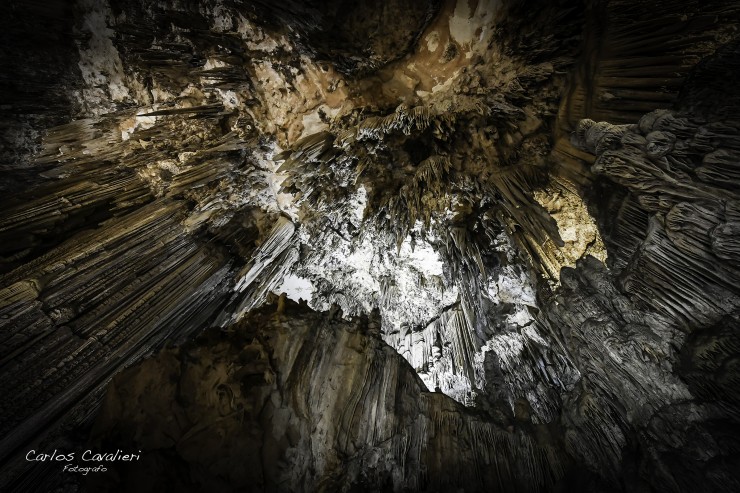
point(297, 420)
point(512, 226)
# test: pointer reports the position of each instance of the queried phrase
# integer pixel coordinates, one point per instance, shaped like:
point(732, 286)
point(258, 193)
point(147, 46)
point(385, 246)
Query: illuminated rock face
point(535, 203)
point(297, 400)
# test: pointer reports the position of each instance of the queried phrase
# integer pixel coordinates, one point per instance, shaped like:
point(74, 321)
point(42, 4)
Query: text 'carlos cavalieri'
point(88, 456)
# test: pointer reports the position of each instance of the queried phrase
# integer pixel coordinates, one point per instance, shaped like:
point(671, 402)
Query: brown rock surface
point(296, 400)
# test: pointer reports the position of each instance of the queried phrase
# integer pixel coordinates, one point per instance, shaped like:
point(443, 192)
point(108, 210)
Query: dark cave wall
point(38, 85)
point(357, 38)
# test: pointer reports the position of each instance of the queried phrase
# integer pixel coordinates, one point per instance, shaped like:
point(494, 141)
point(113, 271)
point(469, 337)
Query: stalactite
point(268, 266)
point(169, 165)
point(676, 263)
point(77, 328)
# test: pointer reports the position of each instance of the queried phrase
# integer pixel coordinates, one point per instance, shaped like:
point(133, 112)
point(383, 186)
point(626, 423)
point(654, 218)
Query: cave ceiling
point(476, 245)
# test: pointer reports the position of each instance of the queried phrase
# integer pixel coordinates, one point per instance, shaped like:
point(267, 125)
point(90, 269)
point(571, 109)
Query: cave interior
point(392, 245)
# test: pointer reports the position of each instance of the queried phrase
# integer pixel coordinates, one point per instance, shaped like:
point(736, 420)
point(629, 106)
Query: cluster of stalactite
point(682, 174)
point(129, 234)
point(421, 186)
point(323, 169)
point(166, 183)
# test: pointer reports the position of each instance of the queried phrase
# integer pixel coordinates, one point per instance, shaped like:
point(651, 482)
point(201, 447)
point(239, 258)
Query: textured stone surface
point(295, 400)
point(166, 165)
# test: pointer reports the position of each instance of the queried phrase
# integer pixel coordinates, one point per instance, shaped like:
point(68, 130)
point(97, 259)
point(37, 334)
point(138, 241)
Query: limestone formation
point(295, 419)
point(511, 226)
